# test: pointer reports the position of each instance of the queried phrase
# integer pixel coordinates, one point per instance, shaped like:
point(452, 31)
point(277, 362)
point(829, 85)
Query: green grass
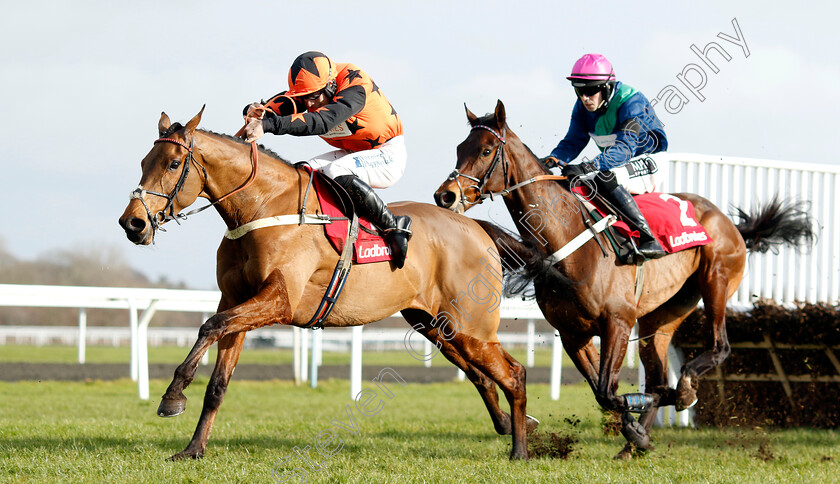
point(99, 431)
point(174, 354)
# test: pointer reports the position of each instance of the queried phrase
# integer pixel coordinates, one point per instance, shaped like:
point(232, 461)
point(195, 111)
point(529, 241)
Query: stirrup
point(398, 229)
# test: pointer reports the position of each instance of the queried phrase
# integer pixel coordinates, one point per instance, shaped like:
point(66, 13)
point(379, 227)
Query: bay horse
point(278, 274)
point(590, 294)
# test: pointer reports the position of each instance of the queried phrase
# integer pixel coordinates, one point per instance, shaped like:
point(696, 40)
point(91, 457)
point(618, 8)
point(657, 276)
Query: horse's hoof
point(681, 406)
point(531, 424)
point(634, 432)
point(520, 455)
point(625, 454)
point(504, 426)
point(686, 393)
point(183, 455)
point(171, 407)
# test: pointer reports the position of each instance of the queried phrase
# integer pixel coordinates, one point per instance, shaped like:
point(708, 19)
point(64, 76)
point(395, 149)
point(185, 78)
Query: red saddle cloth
point(671, 219)
point(368, 247)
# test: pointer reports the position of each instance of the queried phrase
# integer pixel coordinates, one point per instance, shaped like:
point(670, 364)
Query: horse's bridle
point(480, 183)
point(162, 216)
point(498, 159)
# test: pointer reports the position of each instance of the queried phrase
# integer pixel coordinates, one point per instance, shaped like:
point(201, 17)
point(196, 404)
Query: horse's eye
point(486, 152)
point(174, 164)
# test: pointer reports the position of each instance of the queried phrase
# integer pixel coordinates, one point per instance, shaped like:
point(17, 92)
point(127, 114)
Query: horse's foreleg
point(230, 347)
point(653, 353)
point(586, 359)
point(614, 338)
point(615, 335)
point(713, 287)
point(269, 306)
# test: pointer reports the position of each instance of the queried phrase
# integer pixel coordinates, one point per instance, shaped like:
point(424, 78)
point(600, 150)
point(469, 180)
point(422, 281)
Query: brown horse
point(589, 293)
point(278, 274)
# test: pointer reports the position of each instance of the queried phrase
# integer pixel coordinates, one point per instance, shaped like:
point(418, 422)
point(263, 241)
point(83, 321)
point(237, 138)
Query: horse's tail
point(780, 222)
point(522, 261)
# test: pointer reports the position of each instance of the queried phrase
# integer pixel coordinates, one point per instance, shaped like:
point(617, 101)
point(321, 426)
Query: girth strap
point(342, 270)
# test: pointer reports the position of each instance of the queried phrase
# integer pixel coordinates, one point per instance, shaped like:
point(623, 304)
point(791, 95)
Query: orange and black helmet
point(310, 72)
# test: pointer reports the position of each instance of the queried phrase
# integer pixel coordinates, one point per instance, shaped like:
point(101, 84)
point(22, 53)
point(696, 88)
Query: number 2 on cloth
point(684, 218)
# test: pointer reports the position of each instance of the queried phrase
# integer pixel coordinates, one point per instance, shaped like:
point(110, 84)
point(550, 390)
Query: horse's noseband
point(480, 183)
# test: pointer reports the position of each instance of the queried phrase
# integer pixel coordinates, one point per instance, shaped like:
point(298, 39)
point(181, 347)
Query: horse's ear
point(500, 113)
point(472, 118)
point(163, 124)
point(190, 128)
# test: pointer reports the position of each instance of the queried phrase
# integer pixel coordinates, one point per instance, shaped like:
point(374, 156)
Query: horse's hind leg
point(421, 322)
point(230, 347)
point(714, 287)
point(484, 384)
point(509, 374)
point(269, 306)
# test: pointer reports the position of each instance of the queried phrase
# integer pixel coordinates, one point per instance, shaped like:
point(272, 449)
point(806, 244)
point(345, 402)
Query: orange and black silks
point(359, 116)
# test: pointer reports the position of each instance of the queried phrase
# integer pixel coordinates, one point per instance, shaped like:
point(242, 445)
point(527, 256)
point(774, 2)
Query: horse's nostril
point(447, 199)
point(133, 224)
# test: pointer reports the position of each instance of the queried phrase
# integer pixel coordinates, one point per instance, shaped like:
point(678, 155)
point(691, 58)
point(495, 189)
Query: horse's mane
point(176, 126)
point(490, 121)
point(240, 141)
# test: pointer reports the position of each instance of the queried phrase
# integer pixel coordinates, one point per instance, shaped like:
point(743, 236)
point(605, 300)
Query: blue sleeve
point(576, 138)
point(637, 131)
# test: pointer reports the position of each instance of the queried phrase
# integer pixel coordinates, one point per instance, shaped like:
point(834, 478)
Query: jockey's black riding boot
point(396, 228)
point(648, 247)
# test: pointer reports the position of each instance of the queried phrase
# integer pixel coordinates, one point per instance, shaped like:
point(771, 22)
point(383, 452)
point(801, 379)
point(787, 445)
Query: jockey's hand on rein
point(253, 130)
point(254, 110)
point(571, 171)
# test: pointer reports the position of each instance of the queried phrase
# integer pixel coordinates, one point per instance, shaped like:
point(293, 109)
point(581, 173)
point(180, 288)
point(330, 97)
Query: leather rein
point(479, 184)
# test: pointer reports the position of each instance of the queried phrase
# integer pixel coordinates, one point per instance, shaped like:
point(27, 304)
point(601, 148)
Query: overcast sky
point(82, 85)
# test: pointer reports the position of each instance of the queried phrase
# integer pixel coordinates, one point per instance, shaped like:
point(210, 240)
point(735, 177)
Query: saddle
point(369, 245)
point(672, 221)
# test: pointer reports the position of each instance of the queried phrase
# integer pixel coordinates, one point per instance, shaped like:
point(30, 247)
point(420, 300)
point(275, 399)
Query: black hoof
point(171, 407)
point(634, 432)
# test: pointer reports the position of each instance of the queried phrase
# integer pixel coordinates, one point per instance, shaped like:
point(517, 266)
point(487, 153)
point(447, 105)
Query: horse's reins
point(160, 217)
point(498, 159)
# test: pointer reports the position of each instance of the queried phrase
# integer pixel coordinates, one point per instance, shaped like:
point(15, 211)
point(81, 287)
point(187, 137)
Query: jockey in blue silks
point(623, 125)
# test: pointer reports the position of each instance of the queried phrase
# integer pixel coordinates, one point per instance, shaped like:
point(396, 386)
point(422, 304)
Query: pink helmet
point(592, 70)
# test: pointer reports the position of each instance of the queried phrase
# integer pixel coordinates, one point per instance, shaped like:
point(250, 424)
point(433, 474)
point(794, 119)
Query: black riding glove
point(572, 171)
